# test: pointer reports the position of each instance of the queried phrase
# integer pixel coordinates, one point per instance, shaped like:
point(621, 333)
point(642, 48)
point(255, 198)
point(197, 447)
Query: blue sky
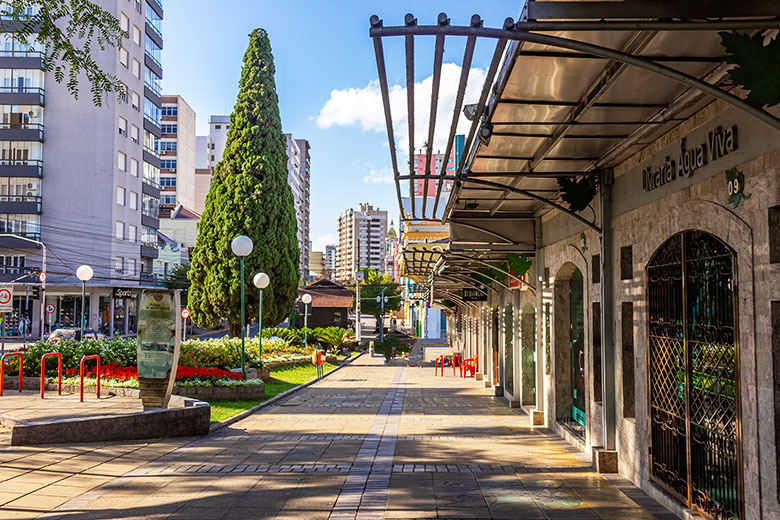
point(325, 67)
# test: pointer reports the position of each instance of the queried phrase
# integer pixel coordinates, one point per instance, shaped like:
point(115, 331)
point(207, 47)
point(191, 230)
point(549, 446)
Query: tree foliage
point(69, 31)
point(371, 287)
point(757, 62)
point(249, 195)
point(177, 279)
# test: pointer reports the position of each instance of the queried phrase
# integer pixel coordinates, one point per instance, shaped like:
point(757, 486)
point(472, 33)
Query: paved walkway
point(368, 442)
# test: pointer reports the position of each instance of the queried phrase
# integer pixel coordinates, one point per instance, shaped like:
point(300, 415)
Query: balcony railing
point(155, 123)
point(155, 29)
point(18, 53)
point(20, 198)
point(157, 90)
point(151, 57)
point(151, 151)
point(153, 183)
point(151, 213)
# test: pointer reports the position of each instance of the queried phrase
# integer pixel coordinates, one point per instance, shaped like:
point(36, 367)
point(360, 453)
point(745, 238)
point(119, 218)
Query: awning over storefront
point(573, 89)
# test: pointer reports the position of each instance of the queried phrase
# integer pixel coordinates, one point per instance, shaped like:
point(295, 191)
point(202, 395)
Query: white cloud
point(321, 241)
point(383, 176)
point(363, 107)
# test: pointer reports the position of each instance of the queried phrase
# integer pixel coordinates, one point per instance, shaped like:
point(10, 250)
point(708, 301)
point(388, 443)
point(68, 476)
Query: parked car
point(62, 334)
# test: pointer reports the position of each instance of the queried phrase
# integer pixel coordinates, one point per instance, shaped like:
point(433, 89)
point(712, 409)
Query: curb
point(246, 413)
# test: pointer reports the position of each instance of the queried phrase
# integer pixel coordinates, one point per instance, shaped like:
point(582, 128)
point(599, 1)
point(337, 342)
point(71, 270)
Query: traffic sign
point(185, 313)
point(42, 277)
point(50, 308)
point(6, 298)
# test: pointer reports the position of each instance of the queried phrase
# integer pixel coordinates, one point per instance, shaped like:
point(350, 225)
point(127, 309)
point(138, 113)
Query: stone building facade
point(717, 207)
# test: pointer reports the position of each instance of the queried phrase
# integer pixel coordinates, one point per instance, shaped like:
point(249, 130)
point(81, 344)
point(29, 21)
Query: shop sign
point(121, 293)
point(719, 143)
point(473, 295)
point(158, 345)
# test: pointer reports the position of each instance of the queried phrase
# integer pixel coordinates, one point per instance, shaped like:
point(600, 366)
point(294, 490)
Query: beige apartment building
point(362, 234)
point(177, 155)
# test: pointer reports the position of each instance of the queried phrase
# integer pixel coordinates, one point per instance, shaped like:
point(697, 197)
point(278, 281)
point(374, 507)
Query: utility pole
point(358, 279)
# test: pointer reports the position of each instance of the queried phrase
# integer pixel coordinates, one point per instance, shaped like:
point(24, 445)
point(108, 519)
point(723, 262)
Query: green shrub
point(118, 350)
point(391, 347)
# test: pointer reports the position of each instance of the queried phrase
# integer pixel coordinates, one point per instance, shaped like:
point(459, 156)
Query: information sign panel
point(158, 345)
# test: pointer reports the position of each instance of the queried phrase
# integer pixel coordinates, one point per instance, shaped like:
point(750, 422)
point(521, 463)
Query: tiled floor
point(367, 442)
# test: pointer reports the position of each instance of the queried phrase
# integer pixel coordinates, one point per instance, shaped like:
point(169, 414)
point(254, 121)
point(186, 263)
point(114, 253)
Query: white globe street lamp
point(306, 299)
point(242, 246)
point(261, 281)
point(85, 274)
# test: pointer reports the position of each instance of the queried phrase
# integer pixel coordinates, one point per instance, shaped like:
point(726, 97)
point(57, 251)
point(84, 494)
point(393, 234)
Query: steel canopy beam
point(532, 195)
point(633, 9)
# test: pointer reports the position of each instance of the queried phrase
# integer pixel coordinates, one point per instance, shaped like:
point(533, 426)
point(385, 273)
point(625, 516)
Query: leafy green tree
point(371, 287)
point(69, 31)
point(250, 196)
point(177, 279)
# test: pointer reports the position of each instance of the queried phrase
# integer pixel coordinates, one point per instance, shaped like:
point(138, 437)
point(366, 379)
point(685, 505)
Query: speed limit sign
point(50, 308)
point(6, 298)
point(185, 313)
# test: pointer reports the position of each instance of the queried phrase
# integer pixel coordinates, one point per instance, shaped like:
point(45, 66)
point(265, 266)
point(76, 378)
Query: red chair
point(456, 362)
point(470, 365)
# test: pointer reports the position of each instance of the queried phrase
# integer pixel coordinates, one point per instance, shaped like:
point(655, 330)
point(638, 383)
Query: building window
point(151, 111)
point(170, 111)
point(133, 200)
point(22, 116)
point(136, 35)
point(218, 127)
point(120, 195)
point(168, 182)
point(136, 101)
point(121, 161)
point(595, 268)
point(167, 199)
point(124, 22)
point(626, 263)
point(124, 57)
point(130, 267)
point(134, 167)
point(627, 357)
point(12, 264)
point(168, 164)
point(774, 237)
point(596, 345)
point(132, 233)
point(168, 146)
point(148, 236)
point(169, 129)
point(134, 134)
point(136, 68)
point(122, 126)
point(120, 230)
point(152, 80)
point(119, 264)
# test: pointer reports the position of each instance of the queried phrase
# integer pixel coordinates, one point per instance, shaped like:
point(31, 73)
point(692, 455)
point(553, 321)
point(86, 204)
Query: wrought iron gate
point(693, 372)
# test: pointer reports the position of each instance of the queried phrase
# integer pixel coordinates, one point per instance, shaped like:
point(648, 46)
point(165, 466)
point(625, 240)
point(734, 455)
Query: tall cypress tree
point(249, 195)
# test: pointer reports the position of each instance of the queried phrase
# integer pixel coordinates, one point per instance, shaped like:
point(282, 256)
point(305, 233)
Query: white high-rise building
point(362, 234)
point(81, 179)
point(298, 164)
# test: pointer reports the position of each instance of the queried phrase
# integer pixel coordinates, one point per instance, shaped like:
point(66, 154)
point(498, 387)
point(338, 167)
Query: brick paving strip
point(364, 494)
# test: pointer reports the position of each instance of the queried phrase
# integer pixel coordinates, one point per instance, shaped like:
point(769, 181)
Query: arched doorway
point(509, 359)
point(528, 353)
point(693, 364)
point(570, 378)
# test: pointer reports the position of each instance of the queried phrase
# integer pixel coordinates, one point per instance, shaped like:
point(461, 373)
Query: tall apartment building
point(89, 191)
point(208, 152)
point(362, 234)
point(177, 155)
point(298, 166)
point(437, 159)
point(330, 260)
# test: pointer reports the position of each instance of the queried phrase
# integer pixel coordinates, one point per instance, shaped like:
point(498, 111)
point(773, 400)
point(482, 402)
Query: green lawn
point(282, 379)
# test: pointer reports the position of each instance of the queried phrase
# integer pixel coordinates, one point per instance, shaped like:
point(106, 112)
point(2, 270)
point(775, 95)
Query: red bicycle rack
point(59, 370)
point(81, 374)
point(2, 369)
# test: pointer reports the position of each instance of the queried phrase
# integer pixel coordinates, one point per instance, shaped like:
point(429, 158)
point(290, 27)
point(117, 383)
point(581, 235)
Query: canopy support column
point(606, 460)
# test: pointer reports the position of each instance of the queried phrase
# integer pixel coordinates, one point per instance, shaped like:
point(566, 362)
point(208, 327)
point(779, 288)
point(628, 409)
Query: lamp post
point(261, 281)
point(382, 300)
point(84, 273)
point(242, 246)
point(306, 299)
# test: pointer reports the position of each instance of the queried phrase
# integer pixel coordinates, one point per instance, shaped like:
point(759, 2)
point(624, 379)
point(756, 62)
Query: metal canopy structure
point(572, 90)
